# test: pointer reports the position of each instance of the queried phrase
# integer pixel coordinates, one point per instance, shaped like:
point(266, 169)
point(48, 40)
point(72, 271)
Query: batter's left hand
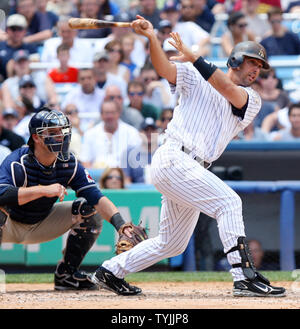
point(185, 54)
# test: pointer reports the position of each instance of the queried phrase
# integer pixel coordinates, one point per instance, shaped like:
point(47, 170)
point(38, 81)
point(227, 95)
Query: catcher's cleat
point(256, 288)
point(107, 280)
point(79, 280)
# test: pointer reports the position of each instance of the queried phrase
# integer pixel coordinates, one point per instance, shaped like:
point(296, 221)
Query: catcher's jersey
point(204, 121)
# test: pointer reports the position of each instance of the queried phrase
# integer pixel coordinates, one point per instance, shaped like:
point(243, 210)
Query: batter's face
point(248, 72)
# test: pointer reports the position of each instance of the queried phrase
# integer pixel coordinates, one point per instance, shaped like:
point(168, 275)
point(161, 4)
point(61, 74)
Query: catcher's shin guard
point(82, 237)
point(247, 265)
point(3, 217)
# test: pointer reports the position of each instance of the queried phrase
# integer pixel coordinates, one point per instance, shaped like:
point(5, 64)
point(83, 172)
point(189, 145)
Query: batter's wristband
point(117, 221)
point(206, 69)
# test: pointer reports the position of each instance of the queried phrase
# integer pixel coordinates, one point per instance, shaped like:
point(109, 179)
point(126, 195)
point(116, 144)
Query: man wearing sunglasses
point(16, 27)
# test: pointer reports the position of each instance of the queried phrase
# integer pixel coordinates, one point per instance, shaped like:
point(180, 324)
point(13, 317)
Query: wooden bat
point(91, 23)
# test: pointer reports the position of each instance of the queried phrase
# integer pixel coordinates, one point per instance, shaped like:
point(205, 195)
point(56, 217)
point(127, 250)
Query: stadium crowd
point(104, 81)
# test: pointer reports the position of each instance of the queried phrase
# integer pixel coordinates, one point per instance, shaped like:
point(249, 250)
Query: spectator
point(71, 112)
point(256, 24)
point(237, 32)
point(8, 138)
point(165, 117)
point(105, 78)
point(38, 28)
point(81, 51)
point(204, 17)
point(64, 73)
point(11, 92)
point(61, 7)
point(107, 144)
point(127, 44)
point(276, 120)
point(281, 41)
point(15, 32)
point(187, 11)
point(148, 9)
point(164, 30)
point(112, 178)
point(10, 118)
point(293, 132)
point(129, 115)
point(48, 16)
point(115, 59)
point(92, 9)
point(191, 34)
point(252, 133)
point(87, 96)
point(136, 94)
point(258, 256)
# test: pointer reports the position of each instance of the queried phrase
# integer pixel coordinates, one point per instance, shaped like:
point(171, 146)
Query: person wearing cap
point(164, 30)
point(16, 26)
point(81, 50)
point(45, 88)
point(191, 34)
point(148, 9)
point(10, 118)
point(87, 97)
point(204, 17)
point(237, 32)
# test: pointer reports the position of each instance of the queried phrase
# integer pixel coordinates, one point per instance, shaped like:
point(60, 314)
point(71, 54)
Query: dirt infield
point(158, 295)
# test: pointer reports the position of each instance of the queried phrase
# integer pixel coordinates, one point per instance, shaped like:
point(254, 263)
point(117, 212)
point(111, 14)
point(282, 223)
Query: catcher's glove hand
point(138, 234)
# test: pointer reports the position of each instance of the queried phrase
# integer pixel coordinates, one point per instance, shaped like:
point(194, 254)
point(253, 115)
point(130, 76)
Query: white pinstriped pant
point(187, 190)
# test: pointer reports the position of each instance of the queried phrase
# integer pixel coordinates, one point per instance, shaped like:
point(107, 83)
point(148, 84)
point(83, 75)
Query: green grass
point(154, 276)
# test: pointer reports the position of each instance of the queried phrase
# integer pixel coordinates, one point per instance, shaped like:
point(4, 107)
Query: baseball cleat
point(107, 280)
point(79, 280)
point(256, 288)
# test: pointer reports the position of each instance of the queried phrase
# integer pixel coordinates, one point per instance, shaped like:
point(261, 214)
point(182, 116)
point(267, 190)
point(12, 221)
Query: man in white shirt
point(109, 142)
point(87, 97)
point(81, 50)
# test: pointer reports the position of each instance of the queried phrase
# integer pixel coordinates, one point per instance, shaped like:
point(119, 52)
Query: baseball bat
point(91, 23)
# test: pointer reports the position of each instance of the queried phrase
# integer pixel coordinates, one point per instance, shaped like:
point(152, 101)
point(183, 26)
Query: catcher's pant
point(187, 190)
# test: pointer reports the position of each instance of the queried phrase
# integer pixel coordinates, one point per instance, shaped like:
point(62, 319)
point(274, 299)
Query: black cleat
point(79, 280)
point(107, 280)
point(256, 288)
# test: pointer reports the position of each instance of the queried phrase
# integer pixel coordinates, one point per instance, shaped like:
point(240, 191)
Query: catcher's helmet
point(250, 49)
point(57, 142)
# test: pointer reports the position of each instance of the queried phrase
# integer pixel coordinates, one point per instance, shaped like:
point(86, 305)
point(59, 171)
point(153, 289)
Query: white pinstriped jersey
point(203, 119)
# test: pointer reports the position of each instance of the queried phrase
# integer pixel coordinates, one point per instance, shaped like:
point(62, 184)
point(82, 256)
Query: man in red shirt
point(64, 73)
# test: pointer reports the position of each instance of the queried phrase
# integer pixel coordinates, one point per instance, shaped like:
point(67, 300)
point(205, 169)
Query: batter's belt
point(202, 162)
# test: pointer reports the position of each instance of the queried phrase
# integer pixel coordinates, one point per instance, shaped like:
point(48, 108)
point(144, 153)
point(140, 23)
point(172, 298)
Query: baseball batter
point(213, 108)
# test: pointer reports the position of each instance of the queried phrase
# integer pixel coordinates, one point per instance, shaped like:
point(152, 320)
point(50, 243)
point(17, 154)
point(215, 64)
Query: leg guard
point(3, 217)
point(81, 237)
point(246, 264)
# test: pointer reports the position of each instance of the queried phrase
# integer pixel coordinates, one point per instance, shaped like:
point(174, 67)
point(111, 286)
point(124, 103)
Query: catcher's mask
point(249, 49)
point(55, 129)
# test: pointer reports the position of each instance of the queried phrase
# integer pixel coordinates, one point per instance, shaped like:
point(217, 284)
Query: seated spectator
point(165, 117)
point(128, 115)
point(71, 112)
point(187, 11)
point(281, 41)
point(15, 33)
point(21, 66)
point(148, 9)
point(157, 93)
point(92, 9)
point(293, 132)
point(103, 77)
point(136, 94)
point(236, 33)
point(10, 118)
point(112, 178)
point(127, 45)
point(87, 97)
point(191, 33)
point(8, 138)
point(81, 51)
point(49, 17)
point(107, 143)
point(257, 25)
point(115, 59)
point(164, 30)
point(64, 73)
point(39, 29)
point(204, 16)
point(258, 256)
point(276, 120)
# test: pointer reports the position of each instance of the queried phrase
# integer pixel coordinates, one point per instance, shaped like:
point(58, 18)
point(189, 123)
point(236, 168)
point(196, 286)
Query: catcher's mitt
point(138, 234)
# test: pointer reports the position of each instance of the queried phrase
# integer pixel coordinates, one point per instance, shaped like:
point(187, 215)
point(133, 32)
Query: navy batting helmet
point(57, 141)
point(250, 49)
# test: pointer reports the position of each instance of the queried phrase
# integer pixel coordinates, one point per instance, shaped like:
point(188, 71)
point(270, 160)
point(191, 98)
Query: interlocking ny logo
point(2, 20)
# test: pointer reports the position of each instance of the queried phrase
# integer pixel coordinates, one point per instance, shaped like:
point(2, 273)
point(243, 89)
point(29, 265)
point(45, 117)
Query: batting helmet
point(56, 141)
point(250, 49)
